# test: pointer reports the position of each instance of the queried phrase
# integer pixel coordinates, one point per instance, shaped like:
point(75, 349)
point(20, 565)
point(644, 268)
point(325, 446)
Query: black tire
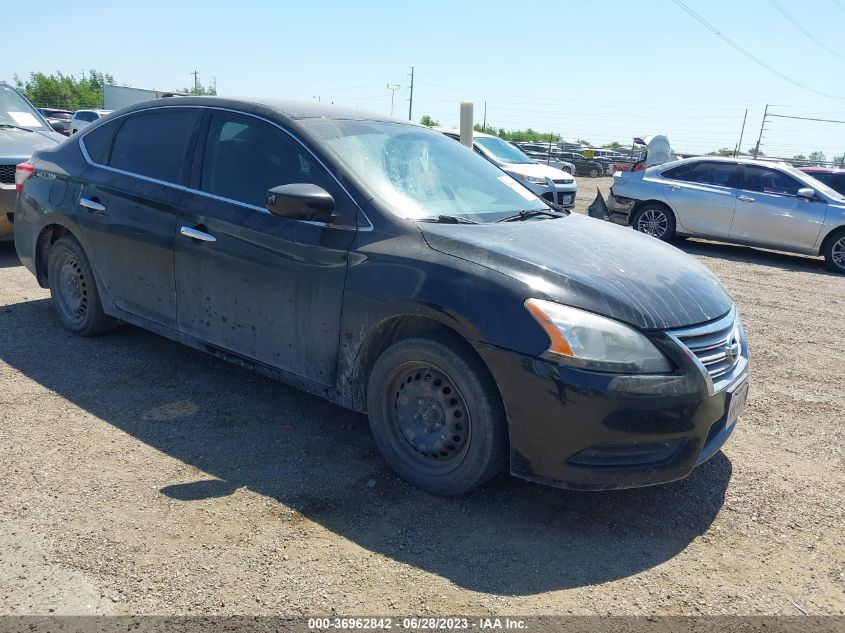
point(594, 171)
point(655, 220)
point(74, 290)
point(834, 251)
point(436, 415)
point(568, 170)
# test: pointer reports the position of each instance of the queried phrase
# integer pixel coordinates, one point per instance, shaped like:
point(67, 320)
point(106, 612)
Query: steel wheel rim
point(653, 222)
point(429, 418)
point(837, 253)
point(72, 290)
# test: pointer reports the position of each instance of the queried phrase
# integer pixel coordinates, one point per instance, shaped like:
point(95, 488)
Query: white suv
point(514, 162)
point(81, 118)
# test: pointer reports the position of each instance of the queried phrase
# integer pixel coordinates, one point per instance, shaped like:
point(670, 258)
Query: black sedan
point(385, 267)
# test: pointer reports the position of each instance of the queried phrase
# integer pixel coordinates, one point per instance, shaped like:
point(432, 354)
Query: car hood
point(18, 145)
point(594, 265)
point(535, 169)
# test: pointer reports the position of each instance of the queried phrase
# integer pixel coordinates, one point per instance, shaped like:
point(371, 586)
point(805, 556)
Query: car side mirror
point(301, 201)
point(807, 192)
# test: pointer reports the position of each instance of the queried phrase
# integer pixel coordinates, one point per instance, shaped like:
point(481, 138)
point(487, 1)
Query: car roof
point(822, 170)
point(287, 108)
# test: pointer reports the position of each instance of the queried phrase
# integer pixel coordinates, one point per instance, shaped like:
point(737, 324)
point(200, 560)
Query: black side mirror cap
point(301, 201)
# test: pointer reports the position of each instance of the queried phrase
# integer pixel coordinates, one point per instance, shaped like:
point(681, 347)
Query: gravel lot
point(140, 476)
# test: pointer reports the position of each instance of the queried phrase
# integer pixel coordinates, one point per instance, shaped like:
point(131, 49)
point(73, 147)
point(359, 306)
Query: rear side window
point(705, 173)
point(155, 144)
point(85, 116)
point(244, 158)
point(765, 180)
point(98, 142)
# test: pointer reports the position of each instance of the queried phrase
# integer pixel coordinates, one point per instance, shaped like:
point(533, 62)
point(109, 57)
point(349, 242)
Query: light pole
point(393, 88)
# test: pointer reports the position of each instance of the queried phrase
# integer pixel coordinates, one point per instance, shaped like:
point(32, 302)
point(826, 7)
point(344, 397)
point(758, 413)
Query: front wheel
point(655, 220)
point(436, 416)
point(834, 252)
point(594, 171)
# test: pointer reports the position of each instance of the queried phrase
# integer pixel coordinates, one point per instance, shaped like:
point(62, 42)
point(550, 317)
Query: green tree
point(582, 141)
point(200, 91)
point(799, 157)
point(614, 145)
point(64, 91)
point(817, 157)
point(725, 151)
point(750, 151)
point(428, 121)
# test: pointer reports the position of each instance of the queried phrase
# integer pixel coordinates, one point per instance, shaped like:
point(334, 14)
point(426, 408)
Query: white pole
point(466, 123)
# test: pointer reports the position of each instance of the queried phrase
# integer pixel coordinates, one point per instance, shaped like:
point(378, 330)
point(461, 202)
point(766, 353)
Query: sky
point(602, 71)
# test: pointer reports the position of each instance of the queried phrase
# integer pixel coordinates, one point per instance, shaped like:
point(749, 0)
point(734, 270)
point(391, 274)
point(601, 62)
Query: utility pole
point(484, 125)
point(411, 100)
point(196, 79)
point(739, 145)
point(762, 126)
point(215, 85)
point(393, 88)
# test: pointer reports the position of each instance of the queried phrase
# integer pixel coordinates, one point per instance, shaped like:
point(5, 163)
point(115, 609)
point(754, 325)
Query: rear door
point(703, 196)
point(129, 203)
point(259, 285)
point(769, 211)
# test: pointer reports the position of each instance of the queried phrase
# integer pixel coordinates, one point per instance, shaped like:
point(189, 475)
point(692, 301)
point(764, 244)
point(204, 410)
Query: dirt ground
point(140, 476)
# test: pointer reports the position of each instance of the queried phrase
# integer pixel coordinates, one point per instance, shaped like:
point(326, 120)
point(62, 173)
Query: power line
point(750, 55)
point(795, 23)
point(806, 118)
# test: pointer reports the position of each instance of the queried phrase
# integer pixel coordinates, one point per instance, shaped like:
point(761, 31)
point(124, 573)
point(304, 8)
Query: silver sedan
point(751, 202)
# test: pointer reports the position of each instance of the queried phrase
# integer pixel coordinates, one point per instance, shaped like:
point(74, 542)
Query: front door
point(770, 212)
point(250, 282)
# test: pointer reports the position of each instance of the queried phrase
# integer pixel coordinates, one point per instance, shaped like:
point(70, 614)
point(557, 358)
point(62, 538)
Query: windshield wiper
point(531, 213)
point(447, 219)
point(17, 127)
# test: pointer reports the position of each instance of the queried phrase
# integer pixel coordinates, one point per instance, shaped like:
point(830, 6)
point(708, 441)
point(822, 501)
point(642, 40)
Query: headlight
point(535, 180)
point(589, 341)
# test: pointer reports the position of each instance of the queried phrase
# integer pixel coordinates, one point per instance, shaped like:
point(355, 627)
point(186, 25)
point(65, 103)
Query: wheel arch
point(396, 328)
point(830, 235)
point(47, 236)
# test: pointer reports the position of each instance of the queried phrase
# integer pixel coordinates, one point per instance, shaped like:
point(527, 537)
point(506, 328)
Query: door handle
point(746, 198)
point(674, 187)
point(91, 205)
point(194, 234)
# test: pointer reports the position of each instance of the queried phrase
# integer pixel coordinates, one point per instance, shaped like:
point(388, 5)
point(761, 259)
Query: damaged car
point(383, 266)
point(742, 201)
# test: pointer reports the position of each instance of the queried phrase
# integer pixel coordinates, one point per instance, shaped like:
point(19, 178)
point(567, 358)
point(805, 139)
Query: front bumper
point(8, 194)
point(592, 431)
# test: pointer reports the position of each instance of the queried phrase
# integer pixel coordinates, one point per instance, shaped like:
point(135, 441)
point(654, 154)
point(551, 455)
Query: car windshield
point(15, 110)
point(502, 151)
point(418, 173)
point(814, 183)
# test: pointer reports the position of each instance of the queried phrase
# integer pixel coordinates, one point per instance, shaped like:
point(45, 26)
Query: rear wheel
point(834, 252)
point(436, 416)
point(655, 220)
point(74, 291)
point(594, 171)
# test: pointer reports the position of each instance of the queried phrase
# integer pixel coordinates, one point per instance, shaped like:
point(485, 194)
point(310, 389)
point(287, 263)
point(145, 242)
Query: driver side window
point(765, 180)
point(244, 158)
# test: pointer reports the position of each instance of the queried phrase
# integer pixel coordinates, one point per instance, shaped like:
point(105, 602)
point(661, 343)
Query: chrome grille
point(716, 345)
point(7, 174)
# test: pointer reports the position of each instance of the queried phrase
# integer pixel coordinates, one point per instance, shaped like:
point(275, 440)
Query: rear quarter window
point(155, 144)
point(98, 142)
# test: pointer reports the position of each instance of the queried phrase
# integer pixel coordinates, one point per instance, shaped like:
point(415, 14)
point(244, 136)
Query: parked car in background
point(81, 118)
point(543, 155)
point(833, 178)
point(378, 264)
point(743, 201)
point(513, 161)
point(583, 165)
point(22, 131)
point(59, 120)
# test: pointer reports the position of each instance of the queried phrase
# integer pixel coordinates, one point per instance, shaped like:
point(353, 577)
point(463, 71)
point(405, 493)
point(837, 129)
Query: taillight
point(22, 172)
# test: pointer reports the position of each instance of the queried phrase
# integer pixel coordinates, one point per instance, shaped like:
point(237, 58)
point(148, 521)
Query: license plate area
point(737, 399)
